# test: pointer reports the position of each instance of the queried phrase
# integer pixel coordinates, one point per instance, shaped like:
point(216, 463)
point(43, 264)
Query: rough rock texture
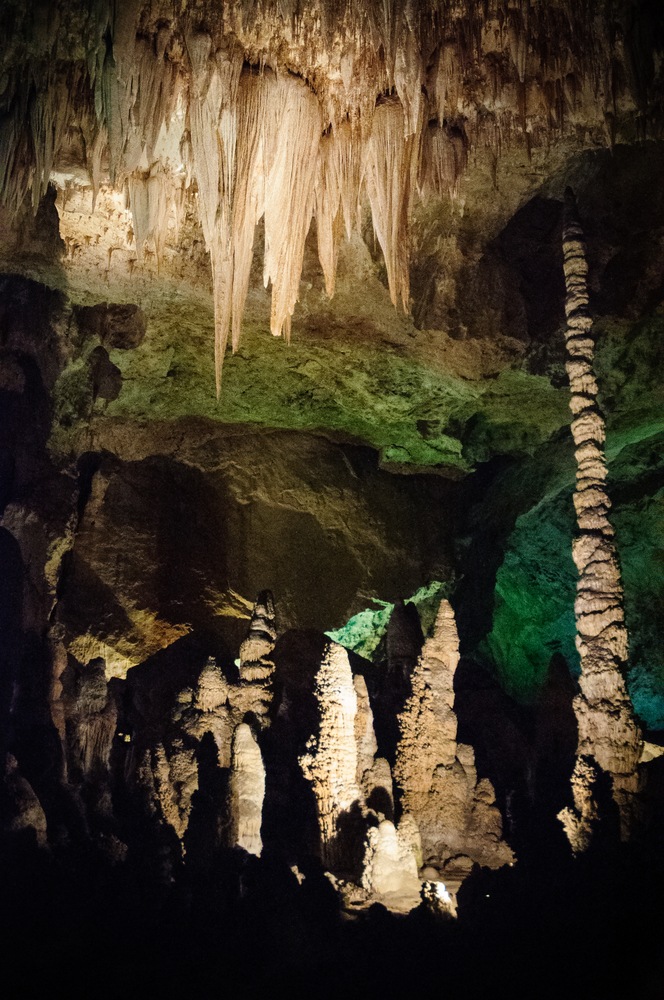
point(365, 736)
point(331, 762)
point(608, 732)
point(246, 791)
point(437, 778)
point(90, 719)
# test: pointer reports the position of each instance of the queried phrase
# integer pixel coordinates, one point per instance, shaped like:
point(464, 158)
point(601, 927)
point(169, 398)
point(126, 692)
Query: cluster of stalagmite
point(455, 813)
point(286, 111)
point(354, 793)
point(446, 814)
point(609, 738)
point(168, 769)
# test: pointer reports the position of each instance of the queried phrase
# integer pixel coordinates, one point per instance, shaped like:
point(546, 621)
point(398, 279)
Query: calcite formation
point(285, 112)
point(608, 733)
point(454, 811)
point(390, 868)
point(330, 764)
point(255, 662)
point(246, 792)
point(22, 809)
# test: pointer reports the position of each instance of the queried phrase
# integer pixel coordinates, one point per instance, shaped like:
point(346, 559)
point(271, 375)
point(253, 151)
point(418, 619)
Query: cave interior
point(332, 497)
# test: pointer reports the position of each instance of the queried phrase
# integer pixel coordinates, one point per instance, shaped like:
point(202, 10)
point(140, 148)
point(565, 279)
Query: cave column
point(609, 738)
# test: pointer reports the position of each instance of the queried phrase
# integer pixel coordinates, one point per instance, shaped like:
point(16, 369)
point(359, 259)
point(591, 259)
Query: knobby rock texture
point(608, 733)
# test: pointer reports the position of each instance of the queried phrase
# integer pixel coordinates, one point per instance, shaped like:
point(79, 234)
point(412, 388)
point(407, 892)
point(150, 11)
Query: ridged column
point(609, 737)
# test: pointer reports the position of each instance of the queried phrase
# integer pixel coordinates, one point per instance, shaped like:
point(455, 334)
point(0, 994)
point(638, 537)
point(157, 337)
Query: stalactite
point(496, 77)
point(250, 186)
point(608, 733)
point(389, 177)
point(293, 134)
point(213, 118)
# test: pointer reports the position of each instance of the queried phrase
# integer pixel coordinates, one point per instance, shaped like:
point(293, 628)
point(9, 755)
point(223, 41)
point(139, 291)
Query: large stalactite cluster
point(286, 111)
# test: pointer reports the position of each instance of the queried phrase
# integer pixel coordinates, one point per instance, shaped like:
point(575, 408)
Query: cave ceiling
point(356, 208)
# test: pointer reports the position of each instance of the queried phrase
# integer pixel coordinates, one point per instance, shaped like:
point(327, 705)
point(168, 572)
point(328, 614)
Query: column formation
point(609, 738)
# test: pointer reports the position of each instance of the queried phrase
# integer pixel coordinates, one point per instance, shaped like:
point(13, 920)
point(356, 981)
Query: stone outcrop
point(246, 792)
point(608, 733)
point(437, 779)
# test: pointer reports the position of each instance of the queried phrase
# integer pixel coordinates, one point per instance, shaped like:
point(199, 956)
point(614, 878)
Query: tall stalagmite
point(247, 790)
point(456, 814)
point(609, 738)
point(331, 762)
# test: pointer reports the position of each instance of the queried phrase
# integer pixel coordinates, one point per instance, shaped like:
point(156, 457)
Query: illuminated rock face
point(455, 813)
point(608, 733)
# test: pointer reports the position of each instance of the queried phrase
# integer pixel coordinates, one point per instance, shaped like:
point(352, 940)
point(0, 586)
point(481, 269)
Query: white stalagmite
point(608, 734)
point(331, 762)
point(390, 868)
point(247, 791)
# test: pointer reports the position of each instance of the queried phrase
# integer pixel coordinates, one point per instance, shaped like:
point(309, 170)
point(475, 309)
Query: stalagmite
point(247, 791)
point(255, 651)
point(330, 764)
point(454, 811)
point(608, 733)
point(364, 728)
point(206, 709)
point(390, 868)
